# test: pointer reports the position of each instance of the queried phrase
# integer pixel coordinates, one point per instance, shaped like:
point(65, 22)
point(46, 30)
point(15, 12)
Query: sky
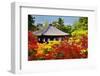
point(68, 20)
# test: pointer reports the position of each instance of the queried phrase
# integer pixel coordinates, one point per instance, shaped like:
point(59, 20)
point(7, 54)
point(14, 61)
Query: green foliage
point(67, 29)
point(31, 23)
point(60, 25)
point(81, 24)
point(55, 24)
point(79, 33)
point(61, 21)
point(80, 27)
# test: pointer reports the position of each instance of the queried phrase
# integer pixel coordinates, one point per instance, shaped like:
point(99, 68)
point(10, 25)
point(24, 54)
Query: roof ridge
point(44, 31)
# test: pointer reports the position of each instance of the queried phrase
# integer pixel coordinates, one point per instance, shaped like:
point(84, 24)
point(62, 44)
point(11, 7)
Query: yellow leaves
point(83, 51)
point(54, 42)
point(77, 40)
point(42, 47)
point(80, 33)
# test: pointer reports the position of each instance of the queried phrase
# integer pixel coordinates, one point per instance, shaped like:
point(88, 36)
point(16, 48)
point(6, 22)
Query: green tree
point(60, 25)
point(80, 27)
point(84, 22)
point(61, 21)
point(31, 23)
point(55, 24)
point(81, 24)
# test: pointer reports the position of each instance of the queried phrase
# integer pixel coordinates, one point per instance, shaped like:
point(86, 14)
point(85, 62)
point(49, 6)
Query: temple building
point(50, 33)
